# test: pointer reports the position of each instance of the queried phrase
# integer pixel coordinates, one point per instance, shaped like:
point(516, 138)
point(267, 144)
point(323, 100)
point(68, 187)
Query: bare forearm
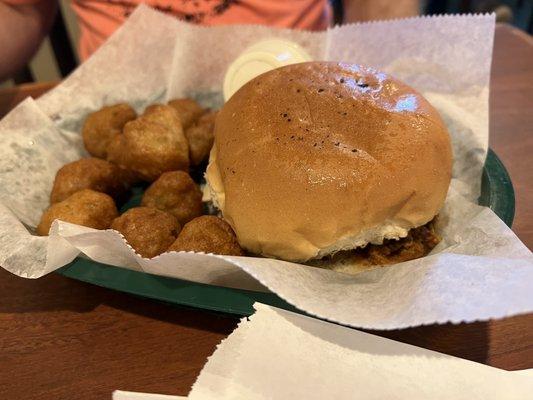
point(367, 10)
point(22, 29)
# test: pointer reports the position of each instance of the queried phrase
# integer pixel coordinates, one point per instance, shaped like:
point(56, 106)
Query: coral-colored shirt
point(98, 19)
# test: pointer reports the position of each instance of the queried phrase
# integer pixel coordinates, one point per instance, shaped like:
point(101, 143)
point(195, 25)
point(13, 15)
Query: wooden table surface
point(63, 339)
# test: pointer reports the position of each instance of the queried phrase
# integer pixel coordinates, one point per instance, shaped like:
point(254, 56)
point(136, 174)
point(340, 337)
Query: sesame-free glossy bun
point(318, 157)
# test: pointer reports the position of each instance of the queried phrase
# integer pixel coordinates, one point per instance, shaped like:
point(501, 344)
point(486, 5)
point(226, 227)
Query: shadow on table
point(468, 341)
point(57, 293)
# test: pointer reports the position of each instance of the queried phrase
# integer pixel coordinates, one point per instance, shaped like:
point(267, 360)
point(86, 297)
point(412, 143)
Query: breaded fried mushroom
point(188, 109)
point(152, 144)
point(86, 207)
point(208, 234)
point(88, 173)
point(201, 136)
point(176, 193)
point(147, 230)
point(102, 125)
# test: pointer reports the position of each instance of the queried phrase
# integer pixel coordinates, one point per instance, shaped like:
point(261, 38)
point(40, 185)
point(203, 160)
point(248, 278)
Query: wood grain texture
point(511, 119)
point(63, 339)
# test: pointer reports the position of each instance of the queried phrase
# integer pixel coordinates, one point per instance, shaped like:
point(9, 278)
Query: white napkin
point(282, 355)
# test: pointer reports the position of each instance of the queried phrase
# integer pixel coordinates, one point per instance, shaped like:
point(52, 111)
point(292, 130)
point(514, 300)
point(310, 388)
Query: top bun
point(318, 157)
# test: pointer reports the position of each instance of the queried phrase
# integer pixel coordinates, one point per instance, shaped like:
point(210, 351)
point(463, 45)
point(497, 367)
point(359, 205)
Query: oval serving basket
point(496, 192)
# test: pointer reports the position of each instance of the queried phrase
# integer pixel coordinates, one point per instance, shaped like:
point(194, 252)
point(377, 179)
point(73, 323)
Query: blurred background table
point(63, 339)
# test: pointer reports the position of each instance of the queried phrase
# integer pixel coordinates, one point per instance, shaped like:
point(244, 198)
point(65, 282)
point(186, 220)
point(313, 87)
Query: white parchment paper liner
point(479, 271)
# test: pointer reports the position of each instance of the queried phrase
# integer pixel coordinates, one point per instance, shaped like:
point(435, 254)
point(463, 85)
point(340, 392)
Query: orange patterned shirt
point(98, 19)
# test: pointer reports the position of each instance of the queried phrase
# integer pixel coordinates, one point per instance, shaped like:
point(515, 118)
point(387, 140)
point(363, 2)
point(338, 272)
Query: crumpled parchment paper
point(479, 271)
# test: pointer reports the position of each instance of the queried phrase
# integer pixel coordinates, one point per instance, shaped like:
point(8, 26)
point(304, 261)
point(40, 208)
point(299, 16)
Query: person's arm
point(22, 28)
point(368, 10)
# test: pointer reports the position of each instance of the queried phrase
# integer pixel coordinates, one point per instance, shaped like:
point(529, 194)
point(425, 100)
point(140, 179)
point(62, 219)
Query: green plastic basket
point(496, 192)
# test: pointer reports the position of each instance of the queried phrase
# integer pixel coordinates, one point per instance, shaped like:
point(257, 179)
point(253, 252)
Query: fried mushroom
point(147, 230)
point(88, 173)
point(188, 109)
point(151, 144)
point(86, 207)
point(208, 234)
point(176, 193)
point(200, 137)
point(102, 125)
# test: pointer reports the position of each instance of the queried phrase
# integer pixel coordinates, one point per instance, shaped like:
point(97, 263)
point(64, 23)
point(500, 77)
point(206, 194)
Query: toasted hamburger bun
point(313, 158)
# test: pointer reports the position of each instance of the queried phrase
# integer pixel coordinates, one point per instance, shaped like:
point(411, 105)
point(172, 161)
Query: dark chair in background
point(516, 12)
